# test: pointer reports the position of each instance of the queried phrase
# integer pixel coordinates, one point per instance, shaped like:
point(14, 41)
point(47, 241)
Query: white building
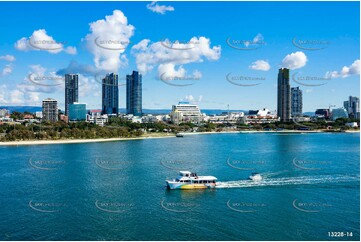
point(185, 112)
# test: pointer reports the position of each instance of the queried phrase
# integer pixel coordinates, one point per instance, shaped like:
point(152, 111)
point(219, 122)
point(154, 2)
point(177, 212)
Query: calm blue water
point(116, 190)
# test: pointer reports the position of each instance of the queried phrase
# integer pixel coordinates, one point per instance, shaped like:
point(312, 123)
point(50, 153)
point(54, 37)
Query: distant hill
point(30, 109)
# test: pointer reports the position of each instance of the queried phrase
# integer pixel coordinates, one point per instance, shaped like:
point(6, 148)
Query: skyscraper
point(296, 102)
point(134, 94)
point(71, 91)
point(284, 95)
point(110, 94)
point(352, 106)
point(50, 110)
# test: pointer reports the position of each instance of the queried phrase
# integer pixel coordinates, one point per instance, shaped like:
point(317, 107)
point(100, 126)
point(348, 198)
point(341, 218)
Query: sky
point(212, 54)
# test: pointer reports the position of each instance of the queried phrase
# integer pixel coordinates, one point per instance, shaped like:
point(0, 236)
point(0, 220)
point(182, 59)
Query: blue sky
point(330, 29)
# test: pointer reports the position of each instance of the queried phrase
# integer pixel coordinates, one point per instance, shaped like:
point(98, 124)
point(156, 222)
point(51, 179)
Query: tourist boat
point(256, 177)
point(179, 135)
point(189, 180)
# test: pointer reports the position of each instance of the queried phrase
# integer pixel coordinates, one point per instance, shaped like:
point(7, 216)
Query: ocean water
point(116, 190)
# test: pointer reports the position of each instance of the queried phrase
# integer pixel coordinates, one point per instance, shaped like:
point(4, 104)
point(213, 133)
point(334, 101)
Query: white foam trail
point(288, 181)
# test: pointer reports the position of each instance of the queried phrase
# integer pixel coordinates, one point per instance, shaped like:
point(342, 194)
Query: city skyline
point(205, 72)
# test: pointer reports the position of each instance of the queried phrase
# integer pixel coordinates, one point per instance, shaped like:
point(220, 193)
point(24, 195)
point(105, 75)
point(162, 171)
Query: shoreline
point(144, 137)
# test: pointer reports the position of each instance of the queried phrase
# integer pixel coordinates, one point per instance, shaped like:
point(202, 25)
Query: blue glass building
point(77, 112)
point(134, 94)
point(110, 94)
point(71, 91)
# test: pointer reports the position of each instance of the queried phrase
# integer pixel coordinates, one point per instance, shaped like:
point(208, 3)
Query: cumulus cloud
point(8, 69)
point(170, 58)
point(294, 60)
point(346, 71)
point(160, 9)
point(9, 58)
point(108, 39)
point(260, 65)
point(41, 41)
point(191, 99)
point(75, 67)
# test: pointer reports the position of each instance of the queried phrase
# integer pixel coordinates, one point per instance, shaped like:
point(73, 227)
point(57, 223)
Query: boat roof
point(198, 178)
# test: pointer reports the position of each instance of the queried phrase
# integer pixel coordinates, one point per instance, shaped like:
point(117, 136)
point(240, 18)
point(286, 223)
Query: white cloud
point(260, 65)
point(9, 58)
point(161, 9)
point(256, 40)
point(346, 71)
point(3, 92)
point(108, 39)
point(41, 41)
point(170, 58)
point(294, 60)
point(8, 69)
point(192, 100)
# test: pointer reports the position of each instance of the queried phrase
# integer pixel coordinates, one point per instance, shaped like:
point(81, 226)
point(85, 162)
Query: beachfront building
point(110, 94)
point(71, 91)
point(185, 112)
point(296, 102)
point(77, 112)
point(50, 110)
point(284, 95)
point(323, 113)
point(134, 94)
point(339, 113)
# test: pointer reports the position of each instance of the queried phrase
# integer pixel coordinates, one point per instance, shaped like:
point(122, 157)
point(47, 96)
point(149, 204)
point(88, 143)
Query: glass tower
point(134, 94)
point(110, 94)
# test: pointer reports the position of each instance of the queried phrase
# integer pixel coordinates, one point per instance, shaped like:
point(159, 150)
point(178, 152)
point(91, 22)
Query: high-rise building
point(134, 94)
point(284, 95)
point(296, 102)
point(50, 110)
point(110, 94)
point(77, 112)
point(71, 91)
point(352, 106)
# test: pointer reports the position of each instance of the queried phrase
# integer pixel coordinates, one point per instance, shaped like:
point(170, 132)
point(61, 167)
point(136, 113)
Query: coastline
point(147, 136)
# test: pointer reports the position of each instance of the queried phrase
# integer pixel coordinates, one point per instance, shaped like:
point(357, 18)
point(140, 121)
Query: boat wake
point(285, 181)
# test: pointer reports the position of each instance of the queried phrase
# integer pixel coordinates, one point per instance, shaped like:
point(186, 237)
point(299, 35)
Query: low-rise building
point(77, 112)
point(185, 112)
point(339, 113)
